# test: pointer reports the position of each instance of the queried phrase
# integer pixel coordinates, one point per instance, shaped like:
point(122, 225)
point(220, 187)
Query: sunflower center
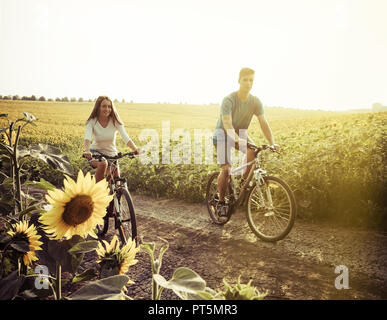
point(78, 210)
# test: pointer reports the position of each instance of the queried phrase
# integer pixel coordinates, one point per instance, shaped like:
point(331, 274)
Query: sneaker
point(221, 210)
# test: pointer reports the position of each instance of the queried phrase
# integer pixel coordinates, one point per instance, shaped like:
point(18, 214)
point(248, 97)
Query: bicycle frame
point(112, 178)
point(256, 172)
point(113, 173)
point(266, 199)
point(118, 188)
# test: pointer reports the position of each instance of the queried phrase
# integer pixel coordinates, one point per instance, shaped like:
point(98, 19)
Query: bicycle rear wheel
point(212, 199)
point(126, 216)
point(271, 209)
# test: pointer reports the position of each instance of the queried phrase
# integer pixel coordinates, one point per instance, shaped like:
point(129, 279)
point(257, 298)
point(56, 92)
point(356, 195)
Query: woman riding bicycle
point(102, 125)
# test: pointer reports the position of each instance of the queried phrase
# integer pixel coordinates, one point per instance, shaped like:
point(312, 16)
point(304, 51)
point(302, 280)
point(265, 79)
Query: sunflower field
point(334, 162)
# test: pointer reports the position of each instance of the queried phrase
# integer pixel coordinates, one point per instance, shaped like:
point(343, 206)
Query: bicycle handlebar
point(262, 147)
point(130, 155)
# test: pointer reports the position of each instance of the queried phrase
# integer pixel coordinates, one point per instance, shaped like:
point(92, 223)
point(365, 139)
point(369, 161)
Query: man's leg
point(223, 158)
point(250, 157)
point(223, 181)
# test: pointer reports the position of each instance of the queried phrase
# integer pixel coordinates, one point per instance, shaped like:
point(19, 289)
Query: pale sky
point(327, 54)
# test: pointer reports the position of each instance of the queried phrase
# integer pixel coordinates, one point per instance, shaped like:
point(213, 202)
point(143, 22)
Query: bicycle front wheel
point(271, 209)
point(126, 216)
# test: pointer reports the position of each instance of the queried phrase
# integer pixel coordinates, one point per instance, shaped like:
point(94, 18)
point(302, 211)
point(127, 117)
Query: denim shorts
point(96, 152)
point(223, 149)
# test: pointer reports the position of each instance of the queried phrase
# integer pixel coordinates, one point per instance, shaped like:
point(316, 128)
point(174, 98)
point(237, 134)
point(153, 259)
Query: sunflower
point(116, 257)
point(77, 209)
point(22, 231)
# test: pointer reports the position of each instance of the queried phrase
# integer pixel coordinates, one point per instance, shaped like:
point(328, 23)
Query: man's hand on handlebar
point(275, 147)
point(138, 151)
point(241, 143)
point(87, 155)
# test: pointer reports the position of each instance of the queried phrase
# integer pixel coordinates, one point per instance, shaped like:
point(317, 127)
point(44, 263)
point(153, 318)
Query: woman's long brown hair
point(95, 113)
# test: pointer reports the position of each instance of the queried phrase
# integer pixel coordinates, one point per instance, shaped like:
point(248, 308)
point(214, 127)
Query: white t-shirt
point(105, 138)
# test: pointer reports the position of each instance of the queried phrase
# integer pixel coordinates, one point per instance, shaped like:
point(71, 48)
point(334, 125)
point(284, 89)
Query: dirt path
point(302, 266)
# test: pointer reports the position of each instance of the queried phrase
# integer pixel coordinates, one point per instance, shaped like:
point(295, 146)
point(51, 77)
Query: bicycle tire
point(103, 229)
point(211, 192)
point(127, 226)
point(282, 214)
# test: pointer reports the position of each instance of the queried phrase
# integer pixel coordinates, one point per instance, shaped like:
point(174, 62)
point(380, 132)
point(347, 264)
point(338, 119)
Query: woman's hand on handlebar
point(138, 151)
point(87, 155)
point(275, 147)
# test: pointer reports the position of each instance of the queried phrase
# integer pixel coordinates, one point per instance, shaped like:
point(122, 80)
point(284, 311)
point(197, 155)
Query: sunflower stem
point(53, 291)
point(17, 171)
point(11, 159)
point(40, 275)
point(58, 282)
point(154, 290)
point(10, 133)
point(160, 290)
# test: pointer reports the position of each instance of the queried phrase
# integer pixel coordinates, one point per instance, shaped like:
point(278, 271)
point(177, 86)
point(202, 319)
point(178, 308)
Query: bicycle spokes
point(270, 210)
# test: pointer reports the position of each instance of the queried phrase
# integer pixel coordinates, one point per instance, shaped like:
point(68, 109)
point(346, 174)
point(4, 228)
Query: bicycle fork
point(259, 177)
point(118, 219)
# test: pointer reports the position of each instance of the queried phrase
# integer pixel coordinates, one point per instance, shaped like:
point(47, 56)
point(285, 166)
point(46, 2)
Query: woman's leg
point(101, 167)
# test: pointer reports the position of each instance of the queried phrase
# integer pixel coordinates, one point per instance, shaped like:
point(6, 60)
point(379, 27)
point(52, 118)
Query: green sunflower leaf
point(104, 289)
point(149, 247)
point(29, 117)
point(20, 245)
point(84, 247)
point(49, 154)
point(85, 276)
point(42, 184)
point(10, 285)
point(107, 271)
point(4, 238)
point(185, 283)
point(59, 251)
point(5, 149)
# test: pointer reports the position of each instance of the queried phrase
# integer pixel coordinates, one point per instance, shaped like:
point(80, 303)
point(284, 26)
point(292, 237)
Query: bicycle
point(121, 208)
point(271, 206)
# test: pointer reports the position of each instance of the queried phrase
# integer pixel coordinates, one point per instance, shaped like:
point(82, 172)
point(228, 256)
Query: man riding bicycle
point(236, 112)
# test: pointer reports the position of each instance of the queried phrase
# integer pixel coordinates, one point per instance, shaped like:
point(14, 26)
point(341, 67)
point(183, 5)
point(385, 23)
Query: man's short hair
point(245, 71)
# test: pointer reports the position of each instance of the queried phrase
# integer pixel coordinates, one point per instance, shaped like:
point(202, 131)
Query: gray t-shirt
point(241, 113)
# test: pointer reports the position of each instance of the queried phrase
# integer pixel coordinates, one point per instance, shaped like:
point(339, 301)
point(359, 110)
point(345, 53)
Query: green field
point(334, 162)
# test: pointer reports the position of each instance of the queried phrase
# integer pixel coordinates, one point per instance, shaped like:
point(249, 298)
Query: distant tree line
point(73, 99)
point(378, 107)
point(42, 98)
